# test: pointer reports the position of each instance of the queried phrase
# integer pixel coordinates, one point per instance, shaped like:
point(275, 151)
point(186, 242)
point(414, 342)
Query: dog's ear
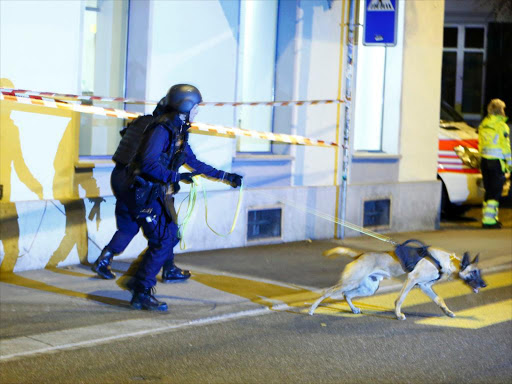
point(465, 261)
point(475, 260)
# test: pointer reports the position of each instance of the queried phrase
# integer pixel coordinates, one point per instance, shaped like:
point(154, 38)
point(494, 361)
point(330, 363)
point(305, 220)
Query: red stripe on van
point(469, 170)
point(448, 145)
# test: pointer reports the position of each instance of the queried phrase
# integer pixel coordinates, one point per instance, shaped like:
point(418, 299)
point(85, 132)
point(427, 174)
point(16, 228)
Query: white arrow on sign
point(381, 5)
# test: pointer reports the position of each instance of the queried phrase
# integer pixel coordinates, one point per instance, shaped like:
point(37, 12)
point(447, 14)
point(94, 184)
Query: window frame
point(239, 80)
point(460, 51)
point(90, 125)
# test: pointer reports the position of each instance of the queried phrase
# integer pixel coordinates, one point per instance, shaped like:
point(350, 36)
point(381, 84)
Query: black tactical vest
point(132, 138)
point(174, 156)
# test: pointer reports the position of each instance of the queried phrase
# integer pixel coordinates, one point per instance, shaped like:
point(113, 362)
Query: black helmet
point(182, 98)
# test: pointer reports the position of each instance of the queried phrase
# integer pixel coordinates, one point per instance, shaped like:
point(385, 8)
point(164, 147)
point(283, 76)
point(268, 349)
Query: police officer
point(144, 190)
point(494, 147)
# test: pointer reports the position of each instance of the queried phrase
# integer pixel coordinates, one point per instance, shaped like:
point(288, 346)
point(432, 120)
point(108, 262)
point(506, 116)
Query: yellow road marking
point(69, 272)
point(258, 292)
point(339, 310)
point(386, 302)
point(475, 318)
point(446, 290)
point(14, 279)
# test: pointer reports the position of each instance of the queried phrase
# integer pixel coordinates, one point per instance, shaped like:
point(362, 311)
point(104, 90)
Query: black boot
point(102, 265)
point(173, 274)
point(496, 225)
point(144, 299)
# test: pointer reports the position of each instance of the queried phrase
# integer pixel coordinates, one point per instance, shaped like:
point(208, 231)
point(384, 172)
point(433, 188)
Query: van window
point(449, 114)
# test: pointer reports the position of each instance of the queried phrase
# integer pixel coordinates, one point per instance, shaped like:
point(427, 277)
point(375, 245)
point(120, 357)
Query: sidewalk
point(63, 308)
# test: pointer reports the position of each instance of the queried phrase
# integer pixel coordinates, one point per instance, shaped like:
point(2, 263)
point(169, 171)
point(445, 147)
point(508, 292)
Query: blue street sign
point(380, 22)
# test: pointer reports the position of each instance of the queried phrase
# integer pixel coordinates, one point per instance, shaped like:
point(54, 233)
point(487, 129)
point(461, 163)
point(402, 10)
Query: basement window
point(264, 224)
point(377, 213)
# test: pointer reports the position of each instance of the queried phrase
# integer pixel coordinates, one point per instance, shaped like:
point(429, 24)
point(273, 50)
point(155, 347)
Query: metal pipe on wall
point(351, 50)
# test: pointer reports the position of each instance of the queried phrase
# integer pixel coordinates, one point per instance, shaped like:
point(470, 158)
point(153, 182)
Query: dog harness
point(409, 255)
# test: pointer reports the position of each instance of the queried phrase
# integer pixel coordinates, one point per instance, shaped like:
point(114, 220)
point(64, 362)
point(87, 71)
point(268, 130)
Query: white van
point(458, 161)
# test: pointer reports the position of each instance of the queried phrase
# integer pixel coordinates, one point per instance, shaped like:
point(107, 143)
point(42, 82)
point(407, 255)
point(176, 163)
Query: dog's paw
point(311, 312)
point(400, 316)
point(356, 311)
point(449, 313)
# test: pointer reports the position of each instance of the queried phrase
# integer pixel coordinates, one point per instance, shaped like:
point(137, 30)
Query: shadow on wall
point(74, 210)
point(11, 157)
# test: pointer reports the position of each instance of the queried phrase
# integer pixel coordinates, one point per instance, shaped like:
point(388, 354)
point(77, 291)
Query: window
point(264, 224)
point(378, 87)
point(450, 37)
point(256, 70)
point(449, 114)
point(463, 68)
point(449, 76)
point(104, 42)
point(376, 213)
point(370, 97)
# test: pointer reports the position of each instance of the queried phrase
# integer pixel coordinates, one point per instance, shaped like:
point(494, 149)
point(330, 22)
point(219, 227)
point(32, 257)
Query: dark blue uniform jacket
point(159, 142)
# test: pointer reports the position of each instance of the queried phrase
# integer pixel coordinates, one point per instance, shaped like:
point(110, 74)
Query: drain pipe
point(349, 79)
point(297, 50)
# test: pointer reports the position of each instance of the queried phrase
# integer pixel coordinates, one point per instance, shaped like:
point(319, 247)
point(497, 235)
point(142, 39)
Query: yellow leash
point(333, 219)
point(192, 197)
point(192, 201)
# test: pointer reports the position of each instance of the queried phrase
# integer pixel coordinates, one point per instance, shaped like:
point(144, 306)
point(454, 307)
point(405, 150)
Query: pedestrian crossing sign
point(380, 22)
point(381, 5)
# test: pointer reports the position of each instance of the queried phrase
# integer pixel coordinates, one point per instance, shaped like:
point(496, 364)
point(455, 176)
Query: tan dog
point(362, 276)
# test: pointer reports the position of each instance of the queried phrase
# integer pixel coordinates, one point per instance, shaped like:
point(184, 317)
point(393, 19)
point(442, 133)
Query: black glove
point(187, 177)
point(233, 179)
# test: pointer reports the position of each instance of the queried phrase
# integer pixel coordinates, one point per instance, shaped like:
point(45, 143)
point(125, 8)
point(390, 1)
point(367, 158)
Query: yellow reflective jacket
point(494, 140)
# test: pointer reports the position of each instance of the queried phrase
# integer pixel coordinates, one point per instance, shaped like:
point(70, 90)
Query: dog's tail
point(340, 251)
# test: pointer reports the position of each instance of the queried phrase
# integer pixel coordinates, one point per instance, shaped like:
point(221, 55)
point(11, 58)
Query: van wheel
point(447, 207)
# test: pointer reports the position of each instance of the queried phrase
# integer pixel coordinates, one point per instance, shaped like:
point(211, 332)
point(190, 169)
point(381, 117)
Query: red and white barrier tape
point(62, 96)
point(196, 127)
point(271, 103)
point(276, 137)
point(119, 113)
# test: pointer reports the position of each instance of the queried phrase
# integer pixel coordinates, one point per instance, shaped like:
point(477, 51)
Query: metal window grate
point(376, 213)
point(264, 223)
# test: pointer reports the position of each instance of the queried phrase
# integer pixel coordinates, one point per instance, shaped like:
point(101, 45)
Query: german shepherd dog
point(362, 276)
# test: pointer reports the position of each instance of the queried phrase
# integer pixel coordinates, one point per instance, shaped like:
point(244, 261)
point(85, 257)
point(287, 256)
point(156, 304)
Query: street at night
point(243, 319)
point(255, 191)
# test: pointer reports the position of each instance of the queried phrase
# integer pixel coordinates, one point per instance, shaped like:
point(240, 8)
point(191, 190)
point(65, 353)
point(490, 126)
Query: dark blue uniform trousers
point(158, 228)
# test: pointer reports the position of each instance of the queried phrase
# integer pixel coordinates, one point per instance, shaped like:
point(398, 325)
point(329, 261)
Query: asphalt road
point(292, 347)
point(243, 319)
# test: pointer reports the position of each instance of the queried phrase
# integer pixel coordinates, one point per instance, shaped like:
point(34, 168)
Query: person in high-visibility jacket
point(496, 160)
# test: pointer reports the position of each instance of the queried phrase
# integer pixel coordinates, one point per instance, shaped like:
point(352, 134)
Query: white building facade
point(232, 51)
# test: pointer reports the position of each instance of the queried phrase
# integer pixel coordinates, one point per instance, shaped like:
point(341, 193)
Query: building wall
point(40, 44)
point(318, 64)
point(74, 226)
point(405, 169)
point(39, 50)
point(421, 90)
point(76, 219)
point(477, 11)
